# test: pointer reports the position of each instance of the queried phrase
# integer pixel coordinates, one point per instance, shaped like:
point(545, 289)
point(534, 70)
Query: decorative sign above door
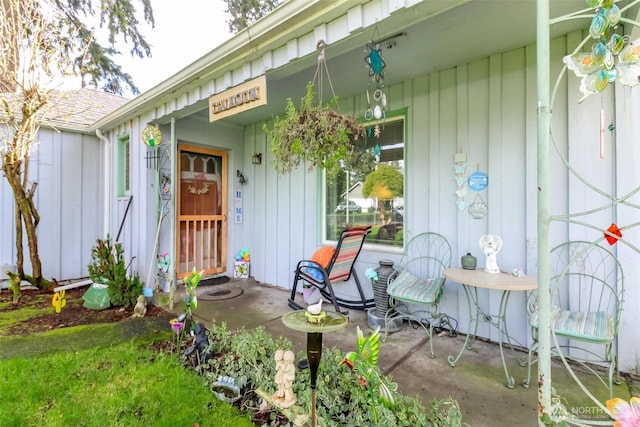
point(239, 98)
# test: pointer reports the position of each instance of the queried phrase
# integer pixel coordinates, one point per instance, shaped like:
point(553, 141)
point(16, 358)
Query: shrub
point(107, 267)
point(127, 293)
point(107, 262)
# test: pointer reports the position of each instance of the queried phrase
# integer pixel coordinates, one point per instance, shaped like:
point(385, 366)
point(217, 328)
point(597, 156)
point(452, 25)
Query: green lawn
point(103, 375)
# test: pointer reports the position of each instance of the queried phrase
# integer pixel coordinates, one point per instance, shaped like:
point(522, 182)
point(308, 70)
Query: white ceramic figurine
point(491, 245)
point(316, 308)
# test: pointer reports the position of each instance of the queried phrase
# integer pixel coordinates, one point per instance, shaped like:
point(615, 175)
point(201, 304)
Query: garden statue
point(314, 313)
point(491, 245)
point(141, 307)
point(285, 375)
point(199, 344)
point(279, 357)
point(59, 301)
point(316, 308)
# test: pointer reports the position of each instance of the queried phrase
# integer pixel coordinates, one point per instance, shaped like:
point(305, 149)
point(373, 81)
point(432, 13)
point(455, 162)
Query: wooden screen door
point(202, 203)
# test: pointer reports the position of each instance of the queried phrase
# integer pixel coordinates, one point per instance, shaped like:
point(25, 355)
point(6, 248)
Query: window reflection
point(371, 192)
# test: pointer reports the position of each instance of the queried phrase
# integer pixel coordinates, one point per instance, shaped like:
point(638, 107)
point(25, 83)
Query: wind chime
point(612, 58)
point(378, 108)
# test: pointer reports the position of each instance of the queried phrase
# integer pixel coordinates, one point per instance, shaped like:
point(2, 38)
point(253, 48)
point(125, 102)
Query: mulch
point(73, 313)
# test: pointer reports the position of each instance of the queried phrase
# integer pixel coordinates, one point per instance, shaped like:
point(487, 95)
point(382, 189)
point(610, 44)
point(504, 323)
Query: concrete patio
point(477, 382)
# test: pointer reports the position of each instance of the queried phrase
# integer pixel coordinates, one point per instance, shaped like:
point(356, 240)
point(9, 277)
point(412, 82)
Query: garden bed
point(35, 313)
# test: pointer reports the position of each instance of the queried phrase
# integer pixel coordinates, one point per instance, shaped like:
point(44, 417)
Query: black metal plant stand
point(299, 321)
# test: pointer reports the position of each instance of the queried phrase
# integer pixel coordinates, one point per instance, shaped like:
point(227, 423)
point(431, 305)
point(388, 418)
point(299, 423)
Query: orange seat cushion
point(323, 255)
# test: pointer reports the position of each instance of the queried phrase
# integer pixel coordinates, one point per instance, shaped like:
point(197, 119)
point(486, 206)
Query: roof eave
point(267, 33)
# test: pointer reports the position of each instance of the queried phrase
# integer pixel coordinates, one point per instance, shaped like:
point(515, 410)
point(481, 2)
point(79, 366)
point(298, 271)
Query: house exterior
point(459, 98)
point(68, 167)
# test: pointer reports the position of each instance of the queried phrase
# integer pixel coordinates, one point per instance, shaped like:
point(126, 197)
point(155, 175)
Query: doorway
point(202, 203)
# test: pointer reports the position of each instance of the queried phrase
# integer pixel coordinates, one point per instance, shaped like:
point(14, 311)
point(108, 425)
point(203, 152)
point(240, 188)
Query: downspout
point(174, 206)
point(544, 297)
point(106, 197)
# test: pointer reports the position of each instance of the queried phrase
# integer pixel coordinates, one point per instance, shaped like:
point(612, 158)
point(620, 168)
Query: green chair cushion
point(595, 326)
point(407, 287)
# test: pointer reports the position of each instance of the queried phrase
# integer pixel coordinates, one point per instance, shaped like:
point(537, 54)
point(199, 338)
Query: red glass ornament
point(613, 229)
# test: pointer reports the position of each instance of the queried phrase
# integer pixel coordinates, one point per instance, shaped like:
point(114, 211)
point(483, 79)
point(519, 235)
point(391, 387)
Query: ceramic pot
point(225, 389)
point(469, 262)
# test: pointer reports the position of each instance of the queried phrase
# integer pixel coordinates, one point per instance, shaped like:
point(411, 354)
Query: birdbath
point(327, 321)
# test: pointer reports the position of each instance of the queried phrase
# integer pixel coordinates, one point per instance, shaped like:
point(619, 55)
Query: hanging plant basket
point(316, 134)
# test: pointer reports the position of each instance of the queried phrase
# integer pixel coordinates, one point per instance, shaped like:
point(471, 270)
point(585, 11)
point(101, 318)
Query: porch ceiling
point(420, 37)
point(469, 31)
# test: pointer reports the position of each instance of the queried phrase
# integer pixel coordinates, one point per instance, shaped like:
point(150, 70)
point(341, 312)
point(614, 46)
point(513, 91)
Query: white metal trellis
point(551, 407)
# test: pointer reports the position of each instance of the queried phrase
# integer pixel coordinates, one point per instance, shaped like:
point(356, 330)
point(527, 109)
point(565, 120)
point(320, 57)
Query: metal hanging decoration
point(375, 65)
point(612, 58)
point(460, 169)
point(478, 208)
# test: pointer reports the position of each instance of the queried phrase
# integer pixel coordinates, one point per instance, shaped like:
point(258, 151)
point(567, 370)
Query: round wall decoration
point(151, 135)
point(478, 181)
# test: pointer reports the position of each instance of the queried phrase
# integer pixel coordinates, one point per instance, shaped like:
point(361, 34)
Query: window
point(124, 166)
point(371, 193)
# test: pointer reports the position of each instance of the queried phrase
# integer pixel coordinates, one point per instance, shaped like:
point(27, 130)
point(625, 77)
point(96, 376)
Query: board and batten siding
point(478, 108)
point(140, 225)
point(69, 171)
point(486, 108)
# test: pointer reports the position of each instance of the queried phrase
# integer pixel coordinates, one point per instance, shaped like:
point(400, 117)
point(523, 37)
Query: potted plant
point(317, 134)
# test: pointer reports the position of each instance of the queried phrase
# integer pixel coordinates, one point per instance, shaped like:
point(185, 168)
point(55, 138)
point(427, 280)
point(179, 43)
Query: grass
point(143, 330)
point(114, 379)
point(34, 309)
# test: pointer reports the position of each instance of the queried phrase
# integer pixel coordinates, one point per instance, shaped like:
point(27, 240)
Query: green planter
point(97, 297)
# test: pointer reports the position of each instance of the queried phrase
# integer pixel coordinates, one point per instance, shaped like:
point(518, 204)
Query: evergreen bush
point(107, 267)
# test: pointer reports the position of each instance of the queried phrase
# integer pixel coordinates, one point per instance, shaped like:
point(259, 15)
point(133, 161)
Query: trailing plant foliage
point(316, 134)
point(107, 267)
point(248, 356)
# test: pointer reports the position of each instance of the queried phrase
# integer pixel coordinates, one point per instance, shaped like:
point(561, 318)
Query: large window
point(371, 192)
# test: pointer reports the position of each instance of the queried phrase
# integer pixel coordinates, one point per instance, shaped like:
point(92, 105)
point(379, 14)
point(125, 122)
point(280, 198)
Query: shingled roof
point(76, 110)
point(79, 109)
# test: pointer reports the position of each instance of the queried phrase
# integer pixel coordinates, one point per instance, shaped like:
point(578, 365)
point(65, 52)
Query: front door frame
point(201, 238)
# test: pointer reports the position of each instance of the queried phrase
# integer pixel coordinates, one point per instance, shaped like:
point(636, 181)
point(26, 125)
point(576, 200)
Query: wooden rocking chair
point(339, 269)
point(587, 287)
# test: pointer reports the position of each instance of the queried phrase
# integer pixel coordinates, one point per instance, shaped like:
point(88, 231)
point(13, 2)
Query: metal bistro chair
point(587, 286)
point(339, 269)
point(416, 287)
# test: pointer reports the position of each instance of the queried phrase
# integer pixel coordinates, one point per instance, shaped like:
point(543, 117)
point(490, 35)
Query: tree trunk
point(381, 211)
point(19, 249)
point(29, 220)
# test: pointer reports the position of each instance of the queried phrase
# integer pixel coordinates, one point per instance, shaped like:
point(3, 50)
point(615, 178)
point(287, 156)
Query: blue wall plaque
point(478, 181)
